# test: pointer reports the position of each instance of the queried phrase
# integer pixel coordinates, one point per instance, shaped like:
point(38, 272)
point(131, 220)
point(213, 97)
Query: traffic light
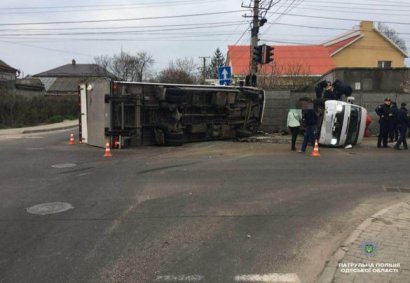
point(257, 54)
point(268, 54)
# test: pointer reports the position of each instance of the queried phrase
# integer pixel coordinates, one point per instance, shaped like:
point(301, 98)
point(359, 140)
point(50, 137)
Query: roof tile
point(312, 60)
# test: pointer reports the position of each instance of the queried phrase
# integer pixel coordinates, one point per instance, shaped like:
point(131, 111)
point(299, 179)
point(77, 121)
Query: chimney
point(73, 62)
point(366, 26)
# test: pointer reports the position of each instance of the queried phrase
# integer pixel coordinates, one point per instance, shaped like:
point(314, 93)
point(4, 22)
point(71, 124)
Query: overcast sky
point(39, 35)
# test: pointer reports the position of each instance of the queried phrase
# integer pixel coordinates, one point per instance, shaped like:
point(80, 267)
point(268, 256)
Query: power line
point(351, 7)
point(209, 24)
point(91, 6)
point(383, 3)
point(110, 8)
point(47, 48)
point(339, 19)
point(110, 32)
point(124, 19)
point(289, 8)
point(354, 12)
point(312, 27)
point(326, 28)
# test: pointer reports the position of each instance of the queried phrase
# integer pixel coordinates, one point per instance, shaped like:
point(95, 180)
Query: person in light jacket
point(293, 123)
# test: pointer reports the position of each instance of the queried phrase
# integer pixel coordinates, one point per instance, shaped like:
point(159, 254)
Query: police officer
point(393, 130)
point(383, 112)
point(402, 124)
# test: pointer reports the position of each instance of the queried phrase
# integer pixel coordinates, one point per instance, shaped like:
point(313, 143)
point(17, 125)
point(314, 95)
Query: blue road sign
point(225, 75)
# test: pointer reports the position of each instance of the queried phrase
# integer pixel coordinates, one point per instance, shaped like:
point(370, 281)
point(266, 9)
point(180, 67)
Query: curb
point(329, 271)
point(49, 130)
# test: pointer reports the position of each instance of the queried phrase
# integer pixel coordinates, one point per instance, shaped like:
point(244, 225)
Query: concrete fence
point(277, 104)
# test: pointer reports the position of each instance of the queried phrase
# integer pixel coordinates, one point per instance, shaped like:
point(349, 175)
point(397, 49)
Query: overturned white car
point(343, 124)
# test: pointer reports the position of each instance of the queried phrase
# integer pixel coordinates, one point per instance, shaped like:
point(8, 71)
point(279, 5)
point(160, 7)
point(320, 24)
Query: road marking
point(270, 277)
point(179, 278)
point(49, 208)
point(63, 165)
point(83, 174)
point(34, 137)
point(34, 148)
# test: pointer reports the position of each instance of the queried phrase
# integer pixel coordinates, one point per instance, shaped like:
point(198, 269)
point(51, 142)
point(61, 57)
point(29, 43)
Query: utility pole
point(254, 36)
point(204, 67)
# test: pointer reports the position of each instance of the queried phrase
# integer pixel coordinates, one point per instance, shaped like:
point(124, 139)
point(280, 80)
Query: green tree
point(217, 60)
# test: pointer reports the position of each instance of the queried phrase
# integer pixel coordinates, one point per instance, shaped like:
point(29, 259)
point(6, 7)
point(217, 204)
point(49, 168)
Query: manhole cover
point(49, 208)
point(64, 165)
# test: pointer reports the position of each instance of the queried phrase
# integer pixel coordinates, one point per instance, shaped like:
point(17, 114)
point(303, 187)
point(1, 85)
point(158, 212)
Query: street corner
point(377, 251)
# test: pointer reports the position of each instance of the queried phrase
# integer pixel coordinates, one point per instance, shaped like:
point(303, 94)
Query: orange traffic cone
point(315, 151)
point(72, 141)
point(107, 150)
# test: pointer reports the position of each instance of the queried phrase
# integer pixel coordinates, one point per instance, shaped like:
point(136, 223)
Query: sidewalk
point(377, 251)
point(67, 124)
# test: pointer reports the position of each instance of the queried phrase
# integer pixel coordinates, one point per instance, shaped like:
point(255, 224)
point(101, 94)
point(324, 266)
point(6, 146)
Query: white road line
point(270, 277)
point(180, 278)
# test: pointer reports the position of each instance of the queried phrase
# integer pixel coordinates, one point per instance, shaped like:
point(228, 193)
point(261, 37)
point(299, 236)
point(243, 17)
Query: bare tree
point(293, 76)
point(125, 66)
point(392, 35)
point(183, 71)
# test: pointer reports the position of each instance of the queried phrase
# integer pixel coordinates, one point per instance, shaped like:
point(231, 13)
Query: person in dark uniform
point(309, 121)
point(402, 124)
point(393, 130)
point(320, 87)
point(340, 89)
point(329, 93)
point(383, 111)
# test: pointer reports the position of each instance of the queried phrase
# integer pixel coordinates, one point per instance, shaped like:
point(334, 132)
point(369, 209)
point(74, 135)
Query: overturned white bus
point(127, 114)
point(343, 124)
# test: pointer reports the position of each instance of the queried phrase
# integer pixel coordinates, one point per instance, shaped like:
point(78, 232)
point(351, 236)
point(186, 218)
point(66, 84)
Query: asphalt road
point(208, 212)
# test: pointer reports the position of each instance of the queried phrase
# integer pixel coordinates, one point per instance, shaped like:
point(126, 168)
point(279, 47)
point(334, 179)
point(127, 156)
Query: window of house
point(384, 64)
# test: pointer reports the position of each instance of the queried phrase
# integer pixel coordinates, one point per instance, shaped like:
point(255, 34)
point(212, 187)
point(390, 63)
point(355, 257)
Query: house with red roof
point(296, 66)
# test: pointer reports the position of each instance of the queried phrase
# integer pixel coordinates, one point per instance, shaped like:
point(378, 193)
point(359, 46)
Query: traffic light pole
point(254, 38)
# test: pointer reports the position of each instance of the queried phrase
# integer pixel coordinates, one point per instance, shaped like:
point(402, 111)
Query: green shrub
point(70, 117)
point(24, 111)
point(55, 119)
